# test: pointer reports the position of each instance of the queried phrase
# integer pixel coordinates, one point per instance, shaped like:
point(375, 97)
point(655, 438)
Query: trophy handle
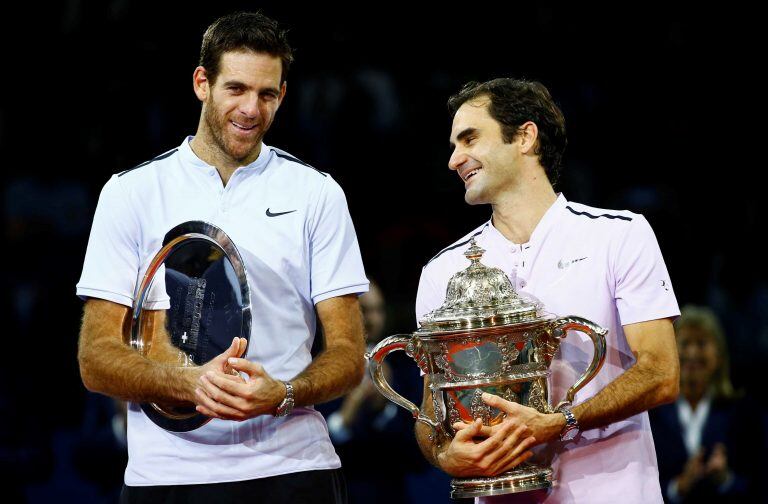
point(597, 334)
point(375, 358)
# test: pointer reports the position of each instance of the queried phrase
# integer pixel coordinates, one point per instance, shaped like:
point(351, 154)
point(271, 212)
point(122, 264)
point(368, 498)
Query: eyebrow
point(464, 134)
point(239, 84)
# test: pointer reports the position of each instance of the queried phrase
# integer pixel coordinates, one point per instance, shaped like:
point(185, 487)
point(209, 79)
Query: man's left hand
point(219, 396)
point(545, 427)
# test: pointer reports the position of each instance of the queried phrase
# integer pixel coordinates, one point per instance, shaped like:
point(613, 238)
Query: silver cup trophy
point(201, 271)
point(486, 338)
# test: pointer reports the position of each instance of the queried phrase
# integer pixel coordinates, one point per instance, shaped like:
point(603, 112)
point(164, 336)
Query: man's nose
point(456, 160)
point(250, 106)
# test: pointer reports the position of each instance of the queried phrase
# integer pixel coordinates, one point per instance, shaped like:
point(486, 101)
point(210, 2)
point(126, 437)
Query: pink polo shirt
point(602, 265)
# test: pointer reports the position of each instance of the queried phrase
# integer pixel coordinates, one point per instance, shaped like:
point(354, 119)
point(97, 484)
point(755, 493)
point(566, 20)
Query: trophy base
point(528, 477)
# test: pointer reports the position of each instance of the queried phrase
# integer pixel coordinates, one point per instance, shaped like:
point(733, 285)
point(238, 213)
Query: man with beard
point(291, 224)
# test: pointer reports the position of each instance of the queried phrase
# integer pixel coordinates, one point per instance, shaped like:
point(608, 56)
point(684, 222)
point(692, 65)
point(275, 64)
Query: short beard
point(216, 127)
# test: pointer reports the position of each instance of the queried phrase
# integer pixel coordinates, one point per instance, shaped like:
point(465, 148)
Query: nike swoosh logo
point(564, 264)
point(270, 214)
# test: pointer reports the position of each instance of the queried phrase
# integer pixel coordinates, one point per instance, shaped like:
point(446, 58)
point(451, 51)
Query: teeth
point(241, 126)
point(472, 173)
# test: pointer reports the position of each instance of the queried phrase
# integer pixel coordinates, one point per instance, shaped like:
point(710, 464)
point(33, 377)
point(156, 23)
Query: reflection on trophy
point(486, 338)
point(201, 271)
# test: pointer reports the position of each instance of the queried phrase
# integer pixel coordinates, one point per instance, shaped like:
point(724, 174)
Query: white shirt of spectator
point(293, 261)
point(605, 266)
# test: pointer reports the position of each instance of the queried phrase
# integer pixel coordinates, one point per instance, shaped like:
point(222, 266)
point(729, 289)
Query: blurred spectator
point(707, 442)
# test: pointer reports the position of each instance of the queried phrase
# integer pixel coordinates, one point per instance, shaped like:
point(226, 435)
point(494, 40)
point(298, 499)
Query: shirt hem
point(233, 480)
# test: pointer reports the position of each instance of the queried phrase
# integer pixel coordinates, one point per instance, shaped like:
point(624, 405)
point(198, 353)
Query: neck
point(206, 148)
point(693, 393)
point(519, 209)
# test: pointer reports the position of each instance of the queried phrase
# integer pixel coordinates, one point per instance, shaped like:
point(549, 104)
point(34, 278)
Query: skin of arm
point(653, 380)
point(109, 367)
point(334, 372)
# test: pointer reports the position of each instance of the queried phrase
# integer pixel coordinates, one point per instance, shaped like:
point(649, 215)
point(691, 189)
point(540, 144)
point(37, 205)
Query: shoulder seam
point(608, 216)
point(145, 163)
point(285, 155)
point(455, 245)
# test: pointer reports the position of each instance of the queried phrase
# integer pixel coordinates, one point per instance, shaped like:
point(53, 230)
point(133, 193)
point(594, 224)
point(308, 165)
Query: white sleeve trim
point(85, 292)
point(353, 289)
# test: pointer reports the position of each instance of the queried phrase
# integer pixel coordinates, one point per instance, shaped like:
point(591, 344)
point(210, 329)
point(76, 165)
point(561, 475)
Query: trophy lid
point(480, 296)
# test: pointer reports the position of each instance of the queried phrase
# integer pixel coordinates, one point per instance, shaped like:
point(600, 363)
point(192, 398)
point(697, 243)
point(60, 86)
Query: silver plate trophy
point(486, 338)
point(204, 277)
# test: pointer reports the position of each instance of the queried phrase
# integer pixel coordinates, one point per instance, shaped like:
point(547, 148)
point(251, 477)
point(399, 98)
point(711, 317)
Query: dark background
point(664, 109)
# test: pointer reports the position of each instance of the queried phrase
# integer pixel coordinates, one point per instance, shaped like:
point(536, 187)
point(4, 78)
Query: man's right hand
point(218, 364)
point(505, 446)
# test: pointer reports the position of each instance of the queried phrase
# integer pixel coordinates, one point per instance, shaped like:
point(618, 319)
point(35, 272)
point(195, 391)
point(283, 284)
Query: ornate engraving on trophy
point(453, 412)
point(479, 409)
point(536, 398)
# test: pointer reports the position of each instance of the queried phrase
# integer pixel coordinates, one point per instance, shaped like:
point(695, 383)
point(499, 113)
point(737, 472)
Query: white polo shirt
point(602, 265)
point(306, 253)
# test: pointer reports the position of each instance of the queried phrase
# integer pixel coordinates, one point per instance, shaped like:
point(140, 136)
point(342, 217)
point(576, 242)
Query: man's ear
point(528, 134)
point(200, 83)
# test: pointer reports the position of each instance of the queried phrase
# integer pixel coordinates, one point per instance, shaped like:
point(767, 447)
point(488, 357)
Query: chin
point(240, 151)
point(472, 198)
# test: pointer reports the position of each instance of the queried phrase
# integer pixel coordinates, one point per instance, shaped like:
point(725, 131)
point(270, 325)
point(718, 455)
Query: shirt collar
point(547, 222)
point(189, 156)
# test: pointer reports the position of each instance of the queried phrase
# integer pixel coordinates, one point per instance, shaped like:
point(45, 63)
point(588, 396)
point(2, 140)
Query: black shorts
point(319, 487)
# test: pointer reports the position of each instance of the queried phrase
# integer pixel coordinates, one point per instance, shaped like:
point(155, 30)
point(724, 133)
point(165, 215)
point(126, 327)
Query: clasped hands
point(232, 388)
point(479, 450)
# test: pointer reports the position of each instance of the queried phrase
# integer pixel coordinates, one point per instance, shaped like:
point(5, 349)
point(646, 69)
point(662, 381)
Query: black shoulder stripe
point(145, 163)
point(295, 160)
point(457, 245)
point(608, 216)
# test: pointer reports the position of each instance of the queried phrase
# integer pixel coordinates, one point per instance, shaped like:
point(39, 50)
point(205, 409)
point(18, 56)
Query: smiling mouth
point(242, 127)
point(471, 174)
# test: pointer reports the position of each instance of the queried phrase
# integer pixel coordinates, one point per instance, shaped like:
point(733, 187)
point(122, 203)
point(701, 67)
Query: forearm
point(109, 367)
point(430, 442)
point(640, 388)
point(333, 373)
point(115, 370)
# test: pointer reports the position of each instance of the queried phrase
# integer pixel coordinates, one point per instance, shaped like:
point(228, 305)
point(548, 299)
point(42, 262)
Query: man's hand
point(544, 427)
point(221, 395)
point(217, 364)
point(504, 448)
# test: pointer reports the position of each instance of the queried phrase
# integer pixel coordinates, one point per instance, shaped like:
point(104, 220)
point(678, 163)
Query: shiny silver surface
point(203, 274)
point(527, 477)
point(486, 338)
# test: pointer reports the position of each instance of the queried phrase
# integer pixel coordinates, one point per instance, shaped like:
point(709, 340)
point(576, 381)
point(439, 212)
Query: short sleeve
point(111, 265)
point(428, 296)
point(643, 287)
point(335, 263)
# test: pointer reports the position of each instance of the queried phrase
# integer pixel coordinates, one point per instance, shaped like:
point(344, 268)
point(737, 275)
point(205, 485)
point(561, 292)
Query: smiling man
point(508, 139)
point(292, 227)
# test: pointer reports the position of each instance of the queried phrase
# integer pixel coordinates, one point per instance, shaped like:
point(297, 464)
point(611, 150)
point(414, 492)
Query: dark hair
point(244, 30)
point(513, 102)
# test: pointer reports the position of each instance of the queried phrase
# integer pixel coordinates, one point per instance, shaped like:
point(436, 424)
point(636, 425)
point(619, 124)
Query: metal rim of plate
point(176, 238)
